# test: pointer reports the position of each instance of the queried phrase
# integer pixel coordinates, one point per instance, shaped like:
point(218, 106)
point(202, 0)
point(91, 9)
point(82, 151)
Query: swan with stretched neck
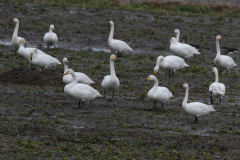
point(195, 108)
point(216, 89)
point(182, 50)
point(81, 77)
point(223, 61)
point(177, 32)
point(158, 94)
point(117, 45)
point(42, 60)
point(15, 38)
point(80, 91)
point(50, 38)
point(171, 63)
point(110, 82)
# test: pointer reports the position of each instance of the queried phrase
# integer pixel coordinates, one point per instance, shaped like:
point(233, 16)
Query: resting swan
point(81, 77)
point(50, 38)
point(160, 94)
point(181, 49)
point(172, 63)
point(117, 45)
point(217, 90)
point(110, 82)
point(15, 38)
point(195, 108)
point(177, 32)
point(80, 91)
point(223, 61)
point(42, 60)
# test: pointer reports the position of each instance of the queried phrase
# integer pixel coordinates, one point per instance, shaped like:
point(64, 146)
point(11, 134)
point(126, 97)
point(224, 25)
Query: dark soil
point(39, 121)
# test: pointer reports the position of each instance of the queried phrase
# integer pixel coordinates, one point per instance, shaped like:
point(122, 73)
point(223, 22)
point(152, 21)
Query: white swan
point(80, 91)
point(160, 94)
point(223, 61)
point(110, 82)
point(81, 77)
point(50, 38)
point(15, 38)
point(216, 89)
point(172, 63)
point(117, 45)
point(195, 108)
point(181, 49)
point(42, 60)
point(177, 32)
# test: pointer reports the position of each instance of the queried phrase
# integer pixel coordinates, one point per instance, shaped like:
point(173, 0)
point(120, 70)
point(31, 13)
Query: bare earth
point(37, 119)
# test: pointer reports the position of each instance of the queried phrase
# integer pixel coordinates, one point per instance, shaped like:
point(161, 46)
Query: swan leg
point(113, 94)
point(119, 54)
point(220, 71)
point(169, 73)
point(15, 52)
point(227, 71)
point(162, 104)
point(211, 98)
point(172, 73)
point(196, 120)
point(54, 46)
point(104, 93)
point(220, 100)
point(82, 104)
point(154, 104)
point(79, 104)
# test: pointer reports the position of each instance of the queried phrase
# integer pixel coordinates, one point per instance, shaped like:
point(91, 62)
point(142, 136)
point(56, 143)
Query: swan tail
point(211, 107)
point(186, 65)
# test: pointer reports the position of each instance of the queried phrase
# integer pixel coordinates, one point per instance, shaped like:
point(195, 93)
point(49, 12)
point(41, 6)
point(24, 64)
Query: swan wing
point(217, 87)
point(175, 62)
point(197, 108)
point(119, 45)
point(83, 78)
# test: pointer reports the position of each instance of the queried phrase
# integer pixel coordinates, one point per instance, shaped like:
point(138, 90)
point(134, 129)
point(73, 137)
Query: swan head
point(176, 31)
point(151, 78)
point(65, 61)
point(155, 70)
point(111, 23)
point(185, 85)
point(15, 20)
point(32, 53)
point(22, 41)
point(113, 57)
point(69, 71)
point(173, 40)
point(51, 27)
point(218, 37)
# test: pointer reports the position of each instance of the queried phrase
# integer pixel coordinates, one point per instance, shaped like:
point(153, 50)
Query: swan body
point(15, 38)
point(195, 108)
point(160, 94)
point(80, 91)
point(111, 82)
point(81, 77)
point(223, 61)
point(216, 89)
point(185, 41)
point(172, 63)
point(177, 32)
point(117, 45)
point(50, 38)
point(42, 60)
point(181, 49)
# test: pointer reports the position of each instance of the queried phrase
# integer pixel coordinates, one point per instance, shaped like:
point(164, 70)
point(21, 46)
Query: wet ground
point(37, 119)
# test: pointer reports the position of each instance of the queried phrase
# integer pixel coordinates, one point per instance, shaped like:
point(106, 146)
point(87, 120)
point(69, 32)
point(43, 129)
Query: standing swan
point(177, 32)
point(81, 77)
point(111, 82)
point(181, 49)
point(223, 61)
point(15, 38)
point(195, 108)
point(161, 94)
point(80, 91)
point(172, 63)
point(117, 45)
point(217, 90)
point(50, 38)
point(42, 60)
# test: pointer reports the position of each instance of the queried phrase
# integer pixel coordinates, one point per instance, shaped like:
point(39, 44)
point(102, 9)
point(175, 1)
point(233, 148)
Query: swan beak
point(183, 85)
point(52, 29)
point(13, 20)
point(220, 37)
point(67, 72)
point(24, 42)
point(148, 78)
point(174, 31)
point(155, 72)
point(30, 57)
point(115, 58)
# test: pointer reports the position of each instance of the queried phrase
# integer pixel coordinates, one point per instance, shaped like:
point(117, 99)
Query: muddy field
point(37, 119)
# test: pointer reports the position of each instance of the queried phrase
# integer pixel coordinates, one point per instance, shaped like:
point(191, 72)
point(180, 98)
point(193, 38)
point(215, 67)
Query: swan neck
point(216, 76)
point(185, 98)
point(15, 33)
point(112, 69)
point(155, 85)
point(218, 47)
point(177, 37)
point(50, 30)
point(111, 33)
point(65, 68)
point(74, 78)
